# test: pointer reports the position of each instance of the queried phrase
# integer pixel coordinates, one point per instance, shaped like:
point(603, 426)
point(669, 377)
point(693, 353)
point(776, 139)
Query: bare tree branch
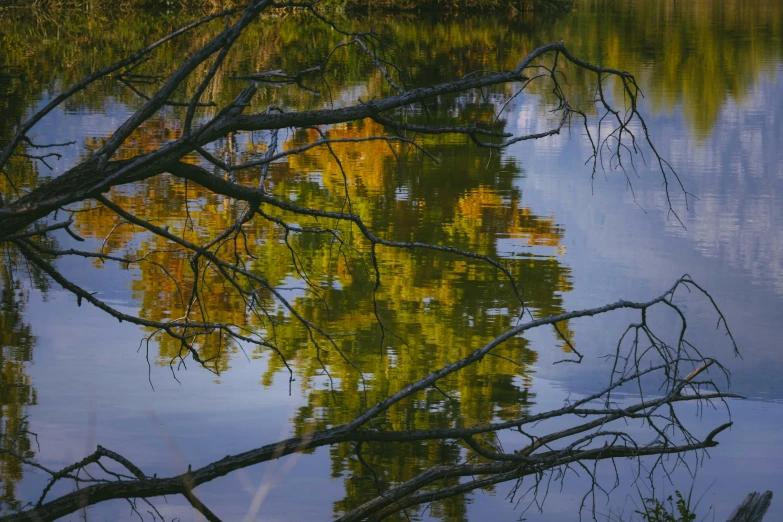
point(225, 258)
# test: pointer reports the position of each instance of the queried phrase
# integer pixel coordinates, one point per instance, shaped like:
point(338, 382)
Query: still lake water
point(712, 74)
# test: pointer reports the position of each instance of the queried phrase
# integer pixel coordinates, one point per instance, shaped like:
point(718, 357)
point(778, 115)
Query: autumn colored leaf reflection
point(434, 307)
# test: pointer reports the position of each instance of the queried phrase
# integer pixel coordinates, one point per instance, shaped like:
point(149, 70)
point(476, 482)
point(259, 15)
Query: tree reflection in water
point(430, 308)
point(16, 391)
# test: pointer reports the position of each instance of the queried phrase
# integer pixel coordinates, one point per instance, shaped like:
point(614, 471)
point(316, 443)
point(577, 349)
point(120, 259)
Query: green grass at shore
point(348, 5)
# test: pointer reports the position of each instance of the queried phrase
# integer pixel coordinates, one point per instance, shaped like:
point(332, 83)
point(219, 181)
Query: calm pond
point(712, 76)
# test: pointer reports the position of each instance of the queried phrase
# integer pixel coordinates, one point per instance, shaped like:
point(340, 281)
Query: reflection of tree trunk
point(229, 161)
point(753, 508)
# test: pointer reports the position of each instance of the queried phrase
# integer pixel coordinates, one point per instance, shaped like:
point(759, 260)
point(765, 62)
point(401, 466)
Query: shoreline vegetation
point(353, 6)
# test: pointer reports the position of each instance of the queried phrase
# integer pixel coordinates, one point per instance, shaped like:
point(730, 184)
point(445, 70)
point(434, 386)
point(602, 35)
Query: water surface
point(711, 73)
